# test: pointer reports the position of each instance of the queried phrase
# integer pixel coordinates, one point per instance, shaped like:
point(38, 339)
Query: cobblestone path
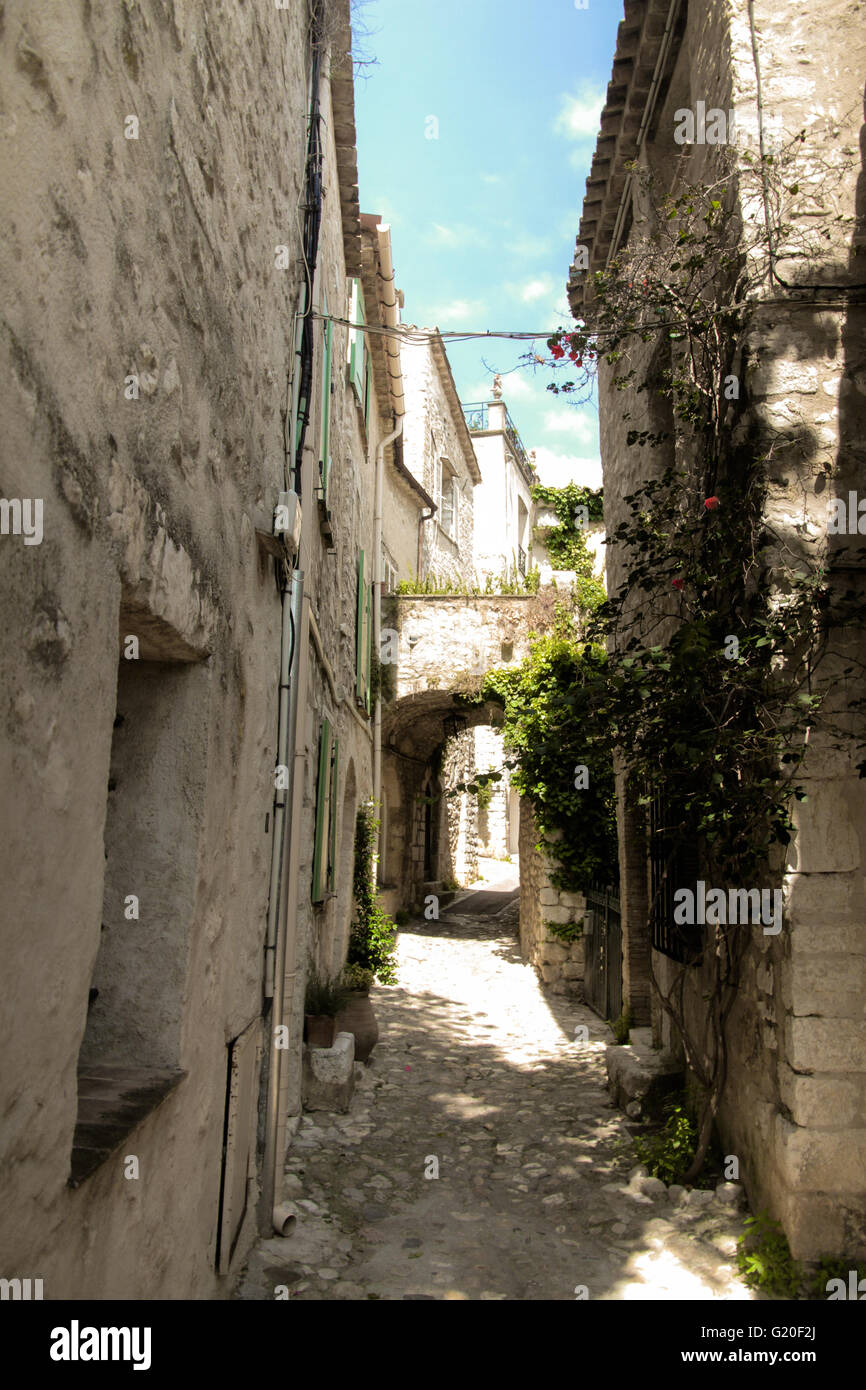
point(476, 1071)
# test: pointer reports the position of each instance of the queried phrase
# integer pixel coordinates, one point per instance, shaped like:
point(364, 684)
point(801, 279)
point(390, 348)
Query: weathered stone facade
point(559, 963)
point(143, 408)
point(793, 1110)
point(438, 452)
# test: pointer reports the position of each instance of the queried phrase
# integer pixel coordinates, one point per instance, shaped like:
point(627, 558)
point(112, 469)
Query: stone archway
point(446, 644)
point(415, 733)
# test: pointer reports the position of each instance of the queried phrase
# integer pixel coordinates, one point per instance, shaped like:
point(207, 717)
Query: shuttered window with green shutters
point(322, 869)
point(363, 635)
point(324, 438)
point(332, 811)
point(358, 344)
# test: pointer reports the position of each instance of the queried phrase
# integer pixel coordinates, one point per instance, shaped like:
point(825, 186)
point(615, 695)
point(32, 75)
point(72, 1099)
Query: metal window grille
point(673, 864)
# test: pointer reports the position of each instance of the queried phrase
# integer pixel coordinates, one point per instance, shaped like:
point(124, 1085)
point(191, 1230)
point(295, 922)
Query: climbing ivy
point(709, 684)
point(546, 700)
point(575, 507)
point(372, 936)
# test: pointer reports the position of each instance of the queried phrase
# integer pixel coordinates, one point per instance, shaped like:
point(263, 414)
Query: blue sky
point(484, 216)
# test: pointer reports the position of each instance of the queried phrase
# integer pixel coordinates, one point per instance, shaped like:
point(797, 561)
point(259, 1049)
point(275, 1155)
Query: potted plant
point(323, 1000)
point(357, 1016)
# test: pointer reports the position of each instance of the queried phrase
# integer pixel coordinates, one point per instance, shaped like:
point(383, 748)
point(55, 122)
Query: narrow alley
point(476, 1072)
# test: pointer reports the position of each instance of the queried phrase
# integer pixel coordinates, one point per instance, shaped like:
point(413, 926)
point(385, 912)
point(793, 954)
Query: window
point(389, 573)
point(447, 500)
point(359, 367)
point(325, 431)
point(673, 864)
point(325, 845)
point(363, 635)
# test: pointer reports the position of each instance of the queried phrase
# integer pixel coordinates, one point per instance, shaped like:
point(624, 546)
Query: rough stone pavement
point(477, 1069)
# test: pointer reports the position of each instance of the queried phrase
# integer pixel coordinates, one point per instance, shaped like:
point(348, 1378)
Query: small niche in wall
point(129, 1058)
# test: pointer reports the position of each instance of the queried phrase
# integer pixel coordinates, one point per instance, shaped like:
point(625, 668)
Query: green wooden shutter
point(367, 397)
point(359, 631)
point(324, 440)
point(369, 649)
point(357, 342)
point(322, 808)
point(332, 811)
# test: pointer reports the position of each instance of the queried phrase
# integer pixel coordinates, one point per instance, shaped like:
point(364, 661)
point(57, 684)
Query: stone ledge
point(638, 1074)
point(329, 1075)
point(112, 1102)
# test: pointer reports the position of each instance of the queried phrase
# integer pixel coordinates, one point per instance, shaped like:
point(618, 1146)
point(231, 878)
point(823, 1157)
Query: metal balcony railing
point(475, 415)
point(477, 418)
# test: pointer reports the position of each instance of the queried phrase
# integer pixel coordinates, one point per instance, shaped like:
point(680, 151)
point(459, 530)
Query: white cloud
point(555, 470)
point(536, 289)
point(570, 419)
point(459, 234)
point(579, 115)
point(459, 314)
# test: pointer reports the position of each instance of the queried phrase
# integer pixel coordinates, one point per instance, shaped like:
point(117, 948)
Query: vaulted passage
point(434, 740)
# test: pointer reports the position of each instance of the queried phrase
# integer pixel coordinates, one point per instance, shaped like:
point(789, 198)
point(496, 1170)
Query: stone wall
point(461, 810)
point(793, 1111)
point(559, 964)
point(434, 430)
point(145, 356)
point(493, 821)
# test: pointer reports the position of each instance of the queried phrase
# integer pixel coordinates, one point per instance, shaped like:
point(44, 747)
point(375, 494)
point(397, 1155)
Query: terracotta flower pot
point(358, 1018)
point(320, 1030)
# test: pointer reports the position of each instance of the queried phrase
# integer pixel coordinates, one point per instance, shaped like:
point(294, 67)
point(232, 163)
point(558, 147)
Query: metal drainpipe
point(275, 951)
point(377, 619)
point(422, 518)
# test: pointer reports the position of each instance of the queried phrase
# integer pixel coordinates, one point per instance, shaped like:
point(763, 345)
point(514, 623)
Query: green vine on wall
point(546, 730)
point(708, 680)
point(575, 508)
point(372, 936)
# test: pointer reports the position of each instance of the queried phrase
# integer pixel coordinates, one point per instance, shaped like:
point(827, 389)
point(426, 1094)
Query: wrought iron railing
point(521, 560)
point(477, 417)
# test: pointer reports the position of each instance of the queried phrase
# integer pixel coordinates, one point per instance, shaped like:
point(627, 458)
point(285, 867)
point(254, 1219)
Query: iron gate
point(602, 971)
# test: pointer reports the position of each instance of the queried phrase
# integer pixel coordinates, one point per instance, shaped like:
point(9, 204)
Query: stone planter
point(320, 1030)
point(359, 1019)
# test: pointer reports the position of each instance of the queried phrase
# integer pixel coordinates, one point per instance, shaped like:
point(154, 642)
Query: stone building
point(186, 650)
point(439, 453)
point(503, 532)
point(794, 1108)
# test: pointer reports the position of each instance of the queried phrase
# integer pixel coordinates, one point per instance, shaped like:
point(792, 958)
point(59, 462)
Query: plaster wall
point(153, 258)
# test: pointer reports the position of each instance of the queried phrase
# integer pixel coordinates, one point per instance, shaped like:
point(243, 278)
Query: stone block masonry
point(559, 963)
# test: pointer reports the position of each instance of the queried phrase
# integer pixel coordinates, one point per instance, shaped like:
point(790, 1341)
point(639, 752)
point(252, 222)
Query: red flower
point(711, 503)
point(557, 352)
point(678, 583)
